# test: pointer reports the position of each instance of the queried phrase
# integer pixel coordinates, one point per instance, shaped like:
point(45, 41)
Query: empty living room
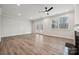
point(39, 29)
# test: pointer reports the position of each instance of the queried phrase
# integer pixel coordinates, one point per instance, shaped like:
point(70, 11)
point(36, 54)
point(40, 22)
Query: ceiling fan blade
point(50, 9)
point(41, 11)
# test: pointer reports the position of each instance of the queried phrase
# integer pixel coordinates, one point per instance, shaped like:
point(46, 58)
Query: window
point(37, 26)
point(60, 22)
point(63, 22)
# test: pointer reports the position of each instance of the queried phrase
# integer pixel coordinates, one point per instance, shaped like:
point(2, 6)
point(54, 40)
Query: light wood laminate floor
point(33, 44)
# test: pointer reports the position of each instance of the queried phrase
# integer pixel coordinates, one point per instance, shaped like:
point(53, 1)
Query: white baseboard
point(56, 36)
point(15, 34)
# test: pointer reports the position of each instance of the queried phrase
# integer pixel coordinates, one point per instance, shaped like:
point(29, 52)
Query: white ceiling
point(31, 11)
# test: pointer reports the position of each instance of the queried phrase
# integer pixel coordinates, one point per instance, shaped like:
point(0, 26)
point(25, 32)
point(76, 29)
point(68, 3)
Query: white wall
point(15, 26)
point(77, 17)
point(0, 24)
point(77, 14)
point(69, 33)
point(47, 30)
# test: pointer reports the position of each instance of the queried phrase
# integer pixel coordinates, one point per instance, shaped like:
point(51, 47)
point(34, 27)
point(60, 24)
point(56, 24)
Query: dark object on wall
point(77, 41)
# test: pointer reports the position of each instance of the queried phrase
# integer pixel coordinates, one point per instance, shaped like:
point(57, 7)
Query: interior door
point(39, 27)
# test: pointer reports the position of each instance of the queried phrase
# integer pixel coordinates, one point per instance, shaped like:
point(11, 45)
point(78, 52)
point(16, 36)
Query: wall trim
point(53, 36)
point(15, 35)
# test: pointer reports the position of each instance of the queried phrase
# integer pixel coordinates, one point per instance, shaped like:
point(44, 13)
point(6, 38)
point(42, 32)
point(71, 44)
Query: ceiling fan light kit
point(47, 10)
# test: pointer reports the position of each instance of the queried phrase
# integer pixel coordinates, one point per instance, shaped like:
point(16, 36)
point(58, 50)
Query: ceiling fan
point(47, 10)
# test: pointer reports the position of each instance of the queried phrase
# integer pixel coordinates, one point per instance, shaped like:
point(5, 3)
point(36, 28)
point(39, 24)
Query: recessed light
point(18, 4)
